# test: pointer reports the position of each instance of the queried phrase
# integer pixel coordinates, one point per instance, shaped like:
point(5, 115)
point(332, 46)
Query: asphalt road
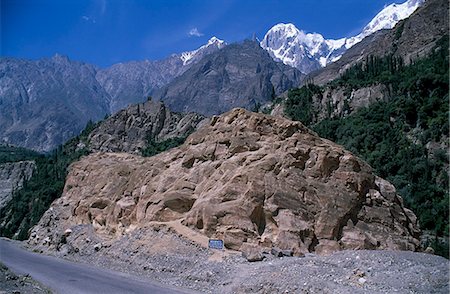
point(67, 277)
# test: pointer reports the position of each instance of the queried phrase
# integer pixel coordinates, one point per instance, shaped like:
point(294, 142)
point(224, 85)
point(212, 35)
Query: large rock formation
point(249, 179)
point(130, 129)
point(12, 176)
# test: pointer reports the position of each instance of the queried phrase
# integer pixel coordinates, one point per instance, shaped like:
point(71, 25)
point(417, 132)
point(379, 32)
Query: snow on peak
point(391, 15)
point(215, 40)
point(386, 19)
point(309, 51)
point(213, 43)
point(287, 29)
point(294, 47)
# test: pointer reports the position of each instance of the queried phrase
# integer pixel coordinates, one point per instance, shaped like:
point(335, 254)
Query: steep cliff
point(12, 176)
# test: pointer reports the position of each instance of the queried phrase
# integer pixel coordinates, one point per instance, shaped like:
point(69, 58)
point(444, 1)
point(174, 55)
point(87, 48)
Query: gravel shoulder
point(162, 254)
point(13, 283)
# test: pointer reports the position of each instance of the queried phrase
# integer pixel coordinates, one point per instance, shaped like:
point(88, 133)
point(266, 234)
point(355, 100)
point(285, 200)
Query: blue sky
point(105, 32)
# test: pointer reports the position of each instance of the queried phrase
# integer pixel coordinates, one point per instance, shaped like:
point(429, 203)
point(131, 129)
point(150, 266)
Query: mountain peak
point(289, 29)
point(390, 15)
point(215, 40)
point(311, 51)
point(213, 44)
point(60, 58)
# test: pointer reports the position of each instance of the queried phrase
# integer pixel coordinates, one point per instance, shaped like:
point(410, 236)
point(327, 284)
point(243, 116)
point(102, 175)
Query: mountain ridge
point(411, 39)
point(47, 101)
point(311, 51)
point(239, 75)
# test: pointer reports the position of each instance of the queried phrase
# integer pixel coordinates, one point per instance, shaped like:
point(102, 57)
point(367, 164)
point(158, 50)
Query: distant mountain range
point(311, 51)
point(45, 102)
point(240, 75)
point(130, 82)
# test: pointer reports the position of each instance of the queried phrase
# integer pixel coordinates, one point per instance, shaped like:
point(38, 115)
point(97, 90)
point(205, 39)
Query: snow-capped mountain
point(311, 51)
point(212, 45)
point(386, 19)
point(128, 82)
point(305, 51)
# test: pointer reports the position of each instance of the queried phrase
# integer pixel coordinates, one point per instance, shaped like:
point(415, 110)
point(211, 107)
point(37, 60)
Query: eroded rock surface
point(246, 178)
point(130, 129)
point(12, 176)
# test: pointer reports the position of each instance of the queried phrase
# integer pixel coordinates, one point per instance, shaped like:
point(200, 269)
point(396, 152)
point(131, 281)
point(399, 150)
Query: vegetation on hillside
point(15, 154)
point(299, 103)
point(46, 184)
point(153, 147)
point(394, 136)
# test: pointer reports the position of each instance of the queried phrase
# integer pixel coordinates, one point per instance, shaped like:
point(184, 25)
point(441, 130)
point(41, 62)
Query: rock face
point(410, 39)
point(247, 178)
point(45, 102)
point(239, 75)
point(131, 128)
point(12, 176)
point(340, 101)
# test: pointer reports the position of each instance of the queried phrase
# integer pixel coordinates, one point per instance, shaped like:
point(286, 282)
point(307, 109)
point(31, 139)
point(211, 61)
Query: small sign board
point(215, 244)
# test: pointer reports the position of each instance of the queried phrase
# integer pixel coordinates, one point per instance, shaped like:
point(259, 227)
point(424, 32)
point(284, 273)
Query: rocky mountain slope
point(240, 75)
point(311, 51)
point(255, 181)
point(129, 130)
point(45, 102)
point(12, 176)
point(410, 39)
point(129, 83)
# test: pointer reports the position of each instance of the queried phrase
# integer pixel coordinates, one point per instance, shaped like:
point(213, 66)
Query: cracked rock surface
point(250, 179)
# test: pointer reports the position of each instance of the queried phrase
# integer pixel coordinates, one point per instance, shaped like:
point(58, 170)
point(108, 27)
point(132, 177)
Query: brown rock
point(244, 178)
point(252, 252)
point(326, 247)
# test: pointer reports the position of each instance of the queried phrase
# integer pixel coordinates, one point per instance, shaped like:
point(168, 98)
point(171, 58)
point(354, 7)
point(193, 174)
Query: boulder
point(251, 252)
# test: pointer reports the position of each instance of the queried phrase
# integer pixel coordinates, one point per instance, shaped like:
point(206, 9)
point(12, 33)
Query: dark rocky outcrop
point(130, 129)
